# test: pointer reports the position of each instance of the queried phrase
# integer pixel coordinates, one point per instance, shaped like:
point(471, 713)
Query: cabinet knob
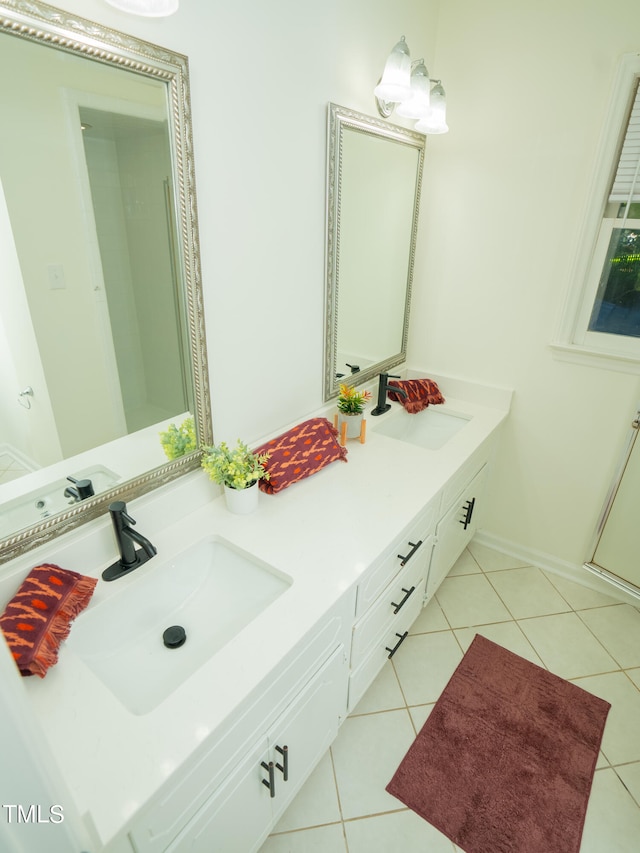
point(284, 767)
point(271, 782)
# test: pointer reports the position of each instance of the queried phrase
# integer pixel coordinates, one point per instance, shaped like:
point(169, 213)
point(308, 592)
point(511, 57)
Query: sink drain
point(174, 637)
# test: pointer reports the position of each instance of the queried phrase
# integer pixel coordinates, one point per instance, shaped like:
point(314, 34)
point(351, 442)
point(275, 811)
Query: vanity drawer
point(389, 565)
point(362, 677)
point(391, 605)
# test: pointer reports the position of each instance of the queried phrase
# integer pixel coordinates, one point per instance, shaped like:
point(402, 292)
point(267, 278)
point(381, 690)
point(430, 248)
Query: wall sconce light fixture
point(146, 8)
point(406, 87)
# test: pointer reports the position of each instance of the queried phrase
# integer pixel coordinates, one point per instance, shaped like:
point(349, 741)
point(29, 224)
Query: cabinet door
point(307, 728)
point(236, 816)
point(241, 813)
point(454, 531)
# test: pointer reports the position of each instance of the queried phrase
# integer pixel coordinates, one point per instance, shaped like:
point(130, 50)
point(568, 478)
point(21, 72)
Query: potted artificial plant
point(238, 470)
point(351, 403)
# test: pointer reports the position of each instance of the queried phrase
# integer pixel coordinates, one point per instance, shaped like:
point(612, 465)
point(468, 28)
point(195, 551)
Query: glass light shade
point(147, 8)
point(395, 84)
point(436, 121)
point(417, 104)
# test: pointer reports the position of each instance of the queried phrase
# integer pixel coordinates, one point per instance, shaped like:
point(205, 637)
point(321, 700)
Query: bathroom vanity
point(210, 758)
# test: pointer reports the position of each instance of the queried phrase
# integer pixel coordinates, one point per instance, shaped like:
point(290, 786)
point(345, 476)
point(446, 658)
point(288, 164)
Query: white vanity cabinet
point(456, 527)
point(390, 598)
point(242, 811)
point(220, 801)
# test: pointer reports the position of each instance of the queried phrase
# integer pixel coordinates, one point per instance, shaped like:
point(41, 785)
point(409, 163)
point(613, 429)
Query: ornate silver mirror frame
point(374, 179)
point(43, 24)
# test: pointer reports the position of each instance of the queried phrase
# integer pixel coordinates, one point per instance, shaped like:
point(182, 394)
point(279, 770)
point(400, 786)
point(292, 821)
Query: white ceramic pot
point(354, 424)
point(242, 501)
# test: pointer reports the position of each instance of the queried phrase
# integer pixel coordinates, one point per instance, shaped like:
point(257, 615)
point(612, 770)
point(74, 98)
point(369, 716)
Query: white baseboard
point(573, 572)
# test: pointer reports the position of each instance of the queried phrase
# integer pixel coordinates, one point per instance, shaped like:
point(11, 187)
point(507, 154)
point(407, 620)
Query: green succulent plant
point(237, 468)
point(176, 441)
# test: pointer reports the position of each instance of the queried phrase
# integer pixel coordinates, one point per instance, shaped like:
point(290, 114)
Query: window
point(602, 316)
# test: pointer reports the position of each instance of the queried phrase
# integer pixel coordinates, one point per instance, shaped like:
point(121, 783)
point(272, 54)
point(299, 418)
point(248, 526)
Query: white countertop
point(323, 532)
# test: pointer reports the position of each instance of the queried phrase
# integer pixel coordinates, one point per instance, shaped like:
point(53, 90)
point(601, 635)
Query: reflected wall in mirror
point(101, 313)
point(374, 177)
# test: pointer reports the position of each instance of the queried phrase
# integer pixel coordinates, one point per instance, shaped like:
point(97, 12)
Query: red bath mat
point(505, 761)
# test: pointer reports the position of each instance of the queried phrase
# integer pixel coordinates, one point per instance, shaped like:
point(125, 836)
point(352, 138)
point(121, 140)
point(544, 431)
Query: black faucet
point(383, 387)
point(83, 489)
point(130, 557)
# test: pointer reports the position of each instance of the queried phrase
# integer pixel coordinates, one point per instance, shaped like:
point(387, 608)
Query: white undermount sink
point(431, 428)
point(212, 590)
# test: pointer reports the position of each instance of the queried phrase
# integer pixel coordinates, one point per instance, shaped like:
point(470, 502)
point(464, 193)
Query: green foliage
point(352, 402)
point(237, 468)
point(177, 441)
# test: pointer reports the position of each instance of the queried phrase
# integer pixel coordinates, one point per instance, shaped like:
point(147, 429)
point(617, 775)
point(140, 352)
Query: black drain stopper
point(174, 637)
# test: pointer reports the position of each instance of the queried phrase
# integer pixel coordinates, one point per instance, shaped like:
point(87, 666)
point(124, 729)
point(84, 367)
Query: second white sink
point(212, 590)
point(431, 428)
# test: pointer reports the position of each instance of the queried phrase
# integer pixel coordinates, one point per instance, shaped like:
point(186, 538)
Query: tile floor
point(579, 634)
point(10, 468)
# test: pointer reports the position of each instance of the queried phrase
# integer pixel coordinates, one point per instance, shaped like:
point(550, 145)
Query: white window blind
point(626, 185)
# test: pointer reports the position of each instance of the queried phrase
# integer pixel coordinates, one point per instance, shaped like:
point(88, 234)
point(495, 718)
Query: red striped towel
point(299, 452)
point(39, 616)
point(420, 394)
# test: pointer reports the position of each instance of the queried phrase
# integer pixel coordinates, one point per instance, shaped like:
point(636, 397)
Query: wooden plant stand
point(343, 431)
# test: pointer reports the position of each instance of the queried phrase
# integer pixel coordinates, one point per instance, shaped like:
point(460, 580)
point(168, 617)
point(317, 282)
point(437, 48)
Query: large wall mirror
point(374, 177)
point(102, 341)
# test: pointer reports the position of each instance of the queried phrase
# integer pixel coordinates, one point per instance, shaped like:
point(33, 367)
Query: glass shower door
point(617, 551)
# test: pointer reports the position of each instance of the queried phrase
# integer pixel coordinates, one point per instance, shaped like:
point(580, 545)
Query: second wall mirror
point(374, 178)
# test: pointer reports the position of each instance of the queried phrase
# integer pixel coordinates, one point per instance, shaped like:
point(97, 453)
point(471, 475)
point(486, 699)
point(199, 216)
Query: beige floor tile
point(634, 675)
point(527, 592)
point(383, 695)
point(630, 775)
point(465, 565)
point(366, 754)
point(621, 740)
point(470, 600)
point(566, 646)
point(323, 839)
point(612, 824)
point(403, 831)
point(420, 715)
point(618, 629)
point(577, 595)
point(424, 665)
point(316, 803)
point(431, 618)
point(505, 634)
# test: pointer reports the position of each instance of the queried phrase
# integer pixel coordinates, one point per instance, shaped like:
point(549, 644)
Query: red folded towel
point(420, 394)
point(39, 616)
point(299, 452)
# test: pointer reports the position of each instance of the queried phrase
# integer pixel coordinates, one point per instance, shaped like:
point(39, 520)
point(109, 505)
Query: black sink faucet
point(127, 538)
point(383, 387)
point(81, 489)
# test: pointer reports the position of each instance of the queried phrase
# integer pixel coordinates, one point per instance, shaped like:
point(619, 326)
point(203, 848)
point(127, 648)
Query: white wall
point(262, 75)
point(528, 86)
point(503, 198)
